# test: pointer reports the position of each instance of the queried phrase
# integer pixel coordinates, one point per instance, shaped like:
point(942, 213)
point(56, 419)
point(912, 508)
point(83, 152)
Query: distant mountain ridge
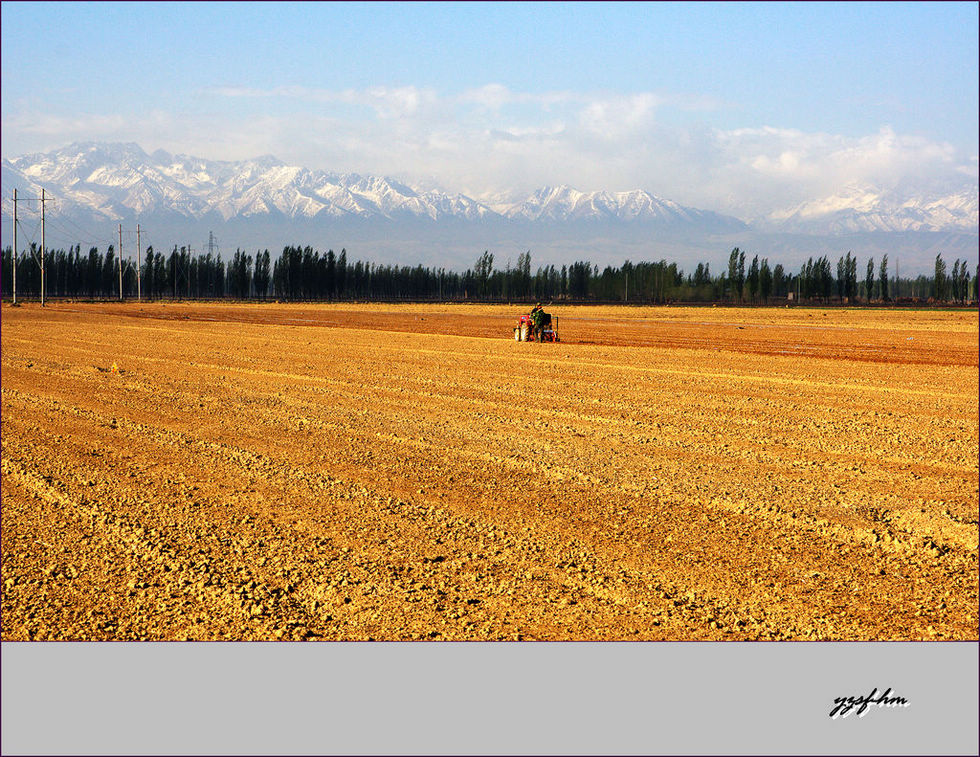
point(564, 203)
point(119, 180)
point(265, 202)
point(865, 208)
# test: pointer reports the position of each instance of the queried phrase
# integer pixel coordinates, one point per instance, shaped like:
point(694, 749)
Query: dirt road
point(410, 472)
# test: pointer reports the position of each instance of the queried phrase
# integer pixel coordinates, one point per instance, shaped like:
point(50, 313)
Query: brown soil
point(412, 472)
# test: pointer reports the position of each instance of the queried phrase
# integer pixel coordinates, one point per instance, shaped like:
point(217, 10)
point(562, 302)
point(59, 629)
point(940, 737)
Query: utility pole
point(15, 247)
point(188, 270)
point(42, 247)
point(211, 245)
point(139, 275)
point(120, 262)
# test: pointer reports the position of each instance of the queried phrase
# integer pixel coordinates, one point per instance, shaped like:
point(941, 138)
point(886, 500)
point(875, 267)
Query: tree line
point(302, 273)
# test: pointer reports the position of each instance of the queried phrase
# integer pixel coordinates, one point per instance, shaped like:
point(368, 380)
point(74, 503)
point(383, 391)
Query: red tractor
point(547, 330)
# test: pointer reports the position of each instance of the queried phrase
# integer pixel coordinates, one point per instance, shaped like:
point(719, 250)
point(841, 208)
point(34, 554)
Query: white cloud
point(493, 138)
point(400, 102)
point(497, 96)
point(489, 96)
point(387, 102)
point(64, 128)
point(764, 169)
point(618, 117)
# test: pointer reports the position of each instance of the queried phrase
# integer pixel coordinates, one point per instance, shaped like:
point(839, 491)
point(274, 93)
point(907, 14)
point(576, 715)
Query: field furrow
point(383, 472)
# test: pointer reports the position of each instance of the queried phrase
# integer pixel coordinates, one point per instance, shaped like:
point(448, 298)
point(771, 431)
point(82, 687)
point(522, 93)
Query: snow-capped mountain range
point(116, 181)
point(95, 185)
point(866, 208)
point(563, 203)
point(121, 180)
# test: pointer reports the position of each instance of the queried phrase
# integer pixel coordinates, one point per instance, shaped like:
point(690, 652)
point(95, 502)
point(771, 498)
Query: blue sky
point(731, 106)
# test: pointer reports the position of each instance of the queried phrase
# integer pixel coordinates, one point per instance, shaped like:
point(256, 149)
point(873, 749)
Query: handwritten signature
point(844, 705)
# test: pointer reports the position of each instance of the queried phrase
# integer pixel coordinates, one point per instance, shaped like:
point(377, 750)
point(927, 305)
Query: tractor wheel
point(517, 335)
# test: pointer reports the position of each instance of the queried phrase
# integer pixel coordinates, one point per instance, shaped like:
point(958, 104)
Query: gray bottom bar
point(502, 698)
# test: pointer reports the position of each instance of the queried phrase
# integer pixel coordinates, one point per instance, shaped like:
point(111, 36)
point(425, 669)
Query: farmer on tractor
point(537, 322)
point(536, 326)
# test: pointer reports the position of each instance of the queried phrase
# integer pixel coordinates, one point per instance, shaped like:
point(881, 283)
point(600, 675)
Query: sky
point(741, 108)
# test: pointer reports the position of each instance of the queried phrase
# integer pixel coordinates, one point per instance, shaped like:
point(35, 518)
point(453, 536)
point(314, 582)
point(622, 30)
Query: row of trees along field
point(305, 274)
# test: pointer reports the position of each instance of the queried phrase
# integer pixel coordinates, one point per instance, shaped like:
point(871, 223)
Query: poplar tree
point(883, 278)
point(753, 278)
point(733, 270)
point(765, 280)
point(940, 279)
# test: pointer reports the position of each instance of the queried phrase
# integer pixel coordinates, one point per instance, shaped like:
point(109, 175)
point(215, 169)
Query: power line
point(88, 236)
point(42, 247)
point(72, 235)
point(61, 224)
point(43, 199)
point(15, 247)
point(32, 237)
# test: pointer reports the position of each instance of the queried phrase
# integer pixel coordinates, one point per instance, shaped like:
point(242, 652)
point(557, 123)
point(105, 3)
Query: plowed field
point(196, 471)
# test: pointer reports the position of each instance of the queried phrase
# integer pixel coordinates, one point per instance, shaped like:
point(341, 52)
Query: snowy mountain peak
point(120, 180)
point(862, 208)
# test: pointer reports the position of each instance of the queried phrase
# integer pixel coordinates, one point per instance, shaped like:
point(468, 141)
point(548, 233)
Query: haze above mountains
point(264, 203)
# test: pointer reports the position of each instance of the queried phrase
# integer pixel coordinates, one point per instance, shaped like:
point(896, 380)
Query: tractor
point(524, 331)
